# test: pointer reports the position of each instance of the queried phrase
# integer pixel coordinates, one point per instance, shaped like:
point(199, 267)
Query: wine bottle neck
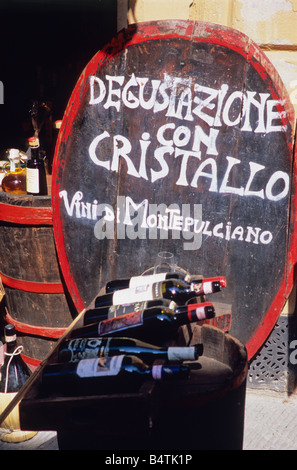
point(181, 317)
point(194, 312)
point(11, 342)
point(10, 347)
point(35, 153)
point(171, 372)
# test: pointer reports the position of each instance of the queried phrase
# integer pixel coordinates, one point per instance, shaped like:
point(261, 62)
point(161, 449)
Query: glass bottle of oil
point(15, 180)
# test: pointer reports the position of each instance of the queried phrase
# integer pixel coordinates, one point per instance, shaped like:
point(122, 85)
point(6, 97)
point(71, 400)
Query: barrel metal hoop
point(26, 215)
point(31, 286)
point(44, 331)
point(31, 361)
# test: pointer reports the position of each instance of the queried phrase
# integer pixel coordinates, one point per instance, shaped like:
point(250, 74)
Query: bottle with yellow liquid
point(15, 180)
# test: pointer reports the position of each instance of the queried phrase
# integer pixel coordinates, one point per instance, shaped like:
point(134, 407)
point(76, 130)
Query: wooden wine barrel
point(36, 300)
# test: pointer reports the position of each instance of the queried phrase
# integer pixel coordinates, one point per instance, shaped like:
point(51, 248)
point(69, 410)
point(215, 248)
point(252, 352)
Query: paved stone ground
point(46, 440)
point(270, 424)
point(270, 421)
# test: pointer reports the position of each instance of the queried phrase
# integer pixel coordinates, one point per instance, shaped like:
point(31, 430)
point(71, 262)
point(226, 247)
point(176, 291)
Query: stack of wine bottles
point(131, 326)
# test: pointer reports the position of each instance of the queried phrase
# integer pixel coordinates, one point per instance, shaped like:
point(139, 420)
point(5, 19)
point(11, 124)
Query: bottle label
point(138, 294)
point(181, 354)
point(123, 309)
point(140, 280)
point(32, 179)
point(99, 367)
point(198, 311)
point(157, 372)
point(207, 287)
point(85, 348)
point(198, 287)
point(10, 339)
point(120, 323)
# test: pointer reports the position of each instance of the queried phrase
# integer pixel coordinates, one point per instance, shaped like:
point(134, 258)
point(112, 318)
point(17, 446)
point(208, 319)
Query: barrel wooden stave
point(35, 293)
point(28, 253)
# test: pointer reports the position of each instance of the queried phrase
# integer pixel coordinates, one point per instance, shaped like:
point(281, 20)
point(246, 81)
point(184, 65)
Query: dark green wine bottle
point(73, 350)
point(155, 325)
point(115, 374)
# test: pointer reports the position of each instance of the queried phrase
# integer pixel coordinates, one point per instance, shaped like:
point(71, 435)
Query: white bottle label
point(181, 354)
point(32, 180)
point(123, 309)
point(99, 367)
point(207, 287)
point(200, 313)
point(10, 339)
point(137, 294)
point(149, 279)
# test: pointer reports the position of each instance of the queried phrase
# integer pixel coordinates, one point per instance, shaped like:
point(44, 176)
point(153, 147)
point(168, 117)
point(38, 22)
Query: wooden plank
point(37, 300)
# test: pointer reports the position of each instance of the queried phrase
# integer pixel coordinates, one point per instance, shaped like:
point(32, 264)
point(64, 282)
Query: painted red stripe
point(33, 363)
point(26, 215)
point(31, 286)
point(44, 331)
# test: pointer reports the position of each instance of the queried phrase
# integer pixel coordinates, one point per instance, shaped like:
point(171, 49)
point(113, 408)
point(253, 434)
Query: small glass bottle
point(15, 180)
point(36, 175)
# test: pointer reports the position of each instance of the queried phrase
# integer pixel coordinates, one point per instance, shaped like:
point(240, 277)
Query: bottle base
point(17, 436)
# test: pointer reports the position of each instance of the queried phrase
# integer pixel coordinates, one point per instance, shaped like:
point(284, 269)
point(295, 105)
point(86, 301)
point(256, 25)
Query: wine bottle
point(41, 118)
point(106, 375)
point(51, 144)
point(73, 350)
point(95, 315)
point(156, 324)
point(14, 371)
point(36, 175)
point(134, 281)
point(173, 289)
point(15, 179)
